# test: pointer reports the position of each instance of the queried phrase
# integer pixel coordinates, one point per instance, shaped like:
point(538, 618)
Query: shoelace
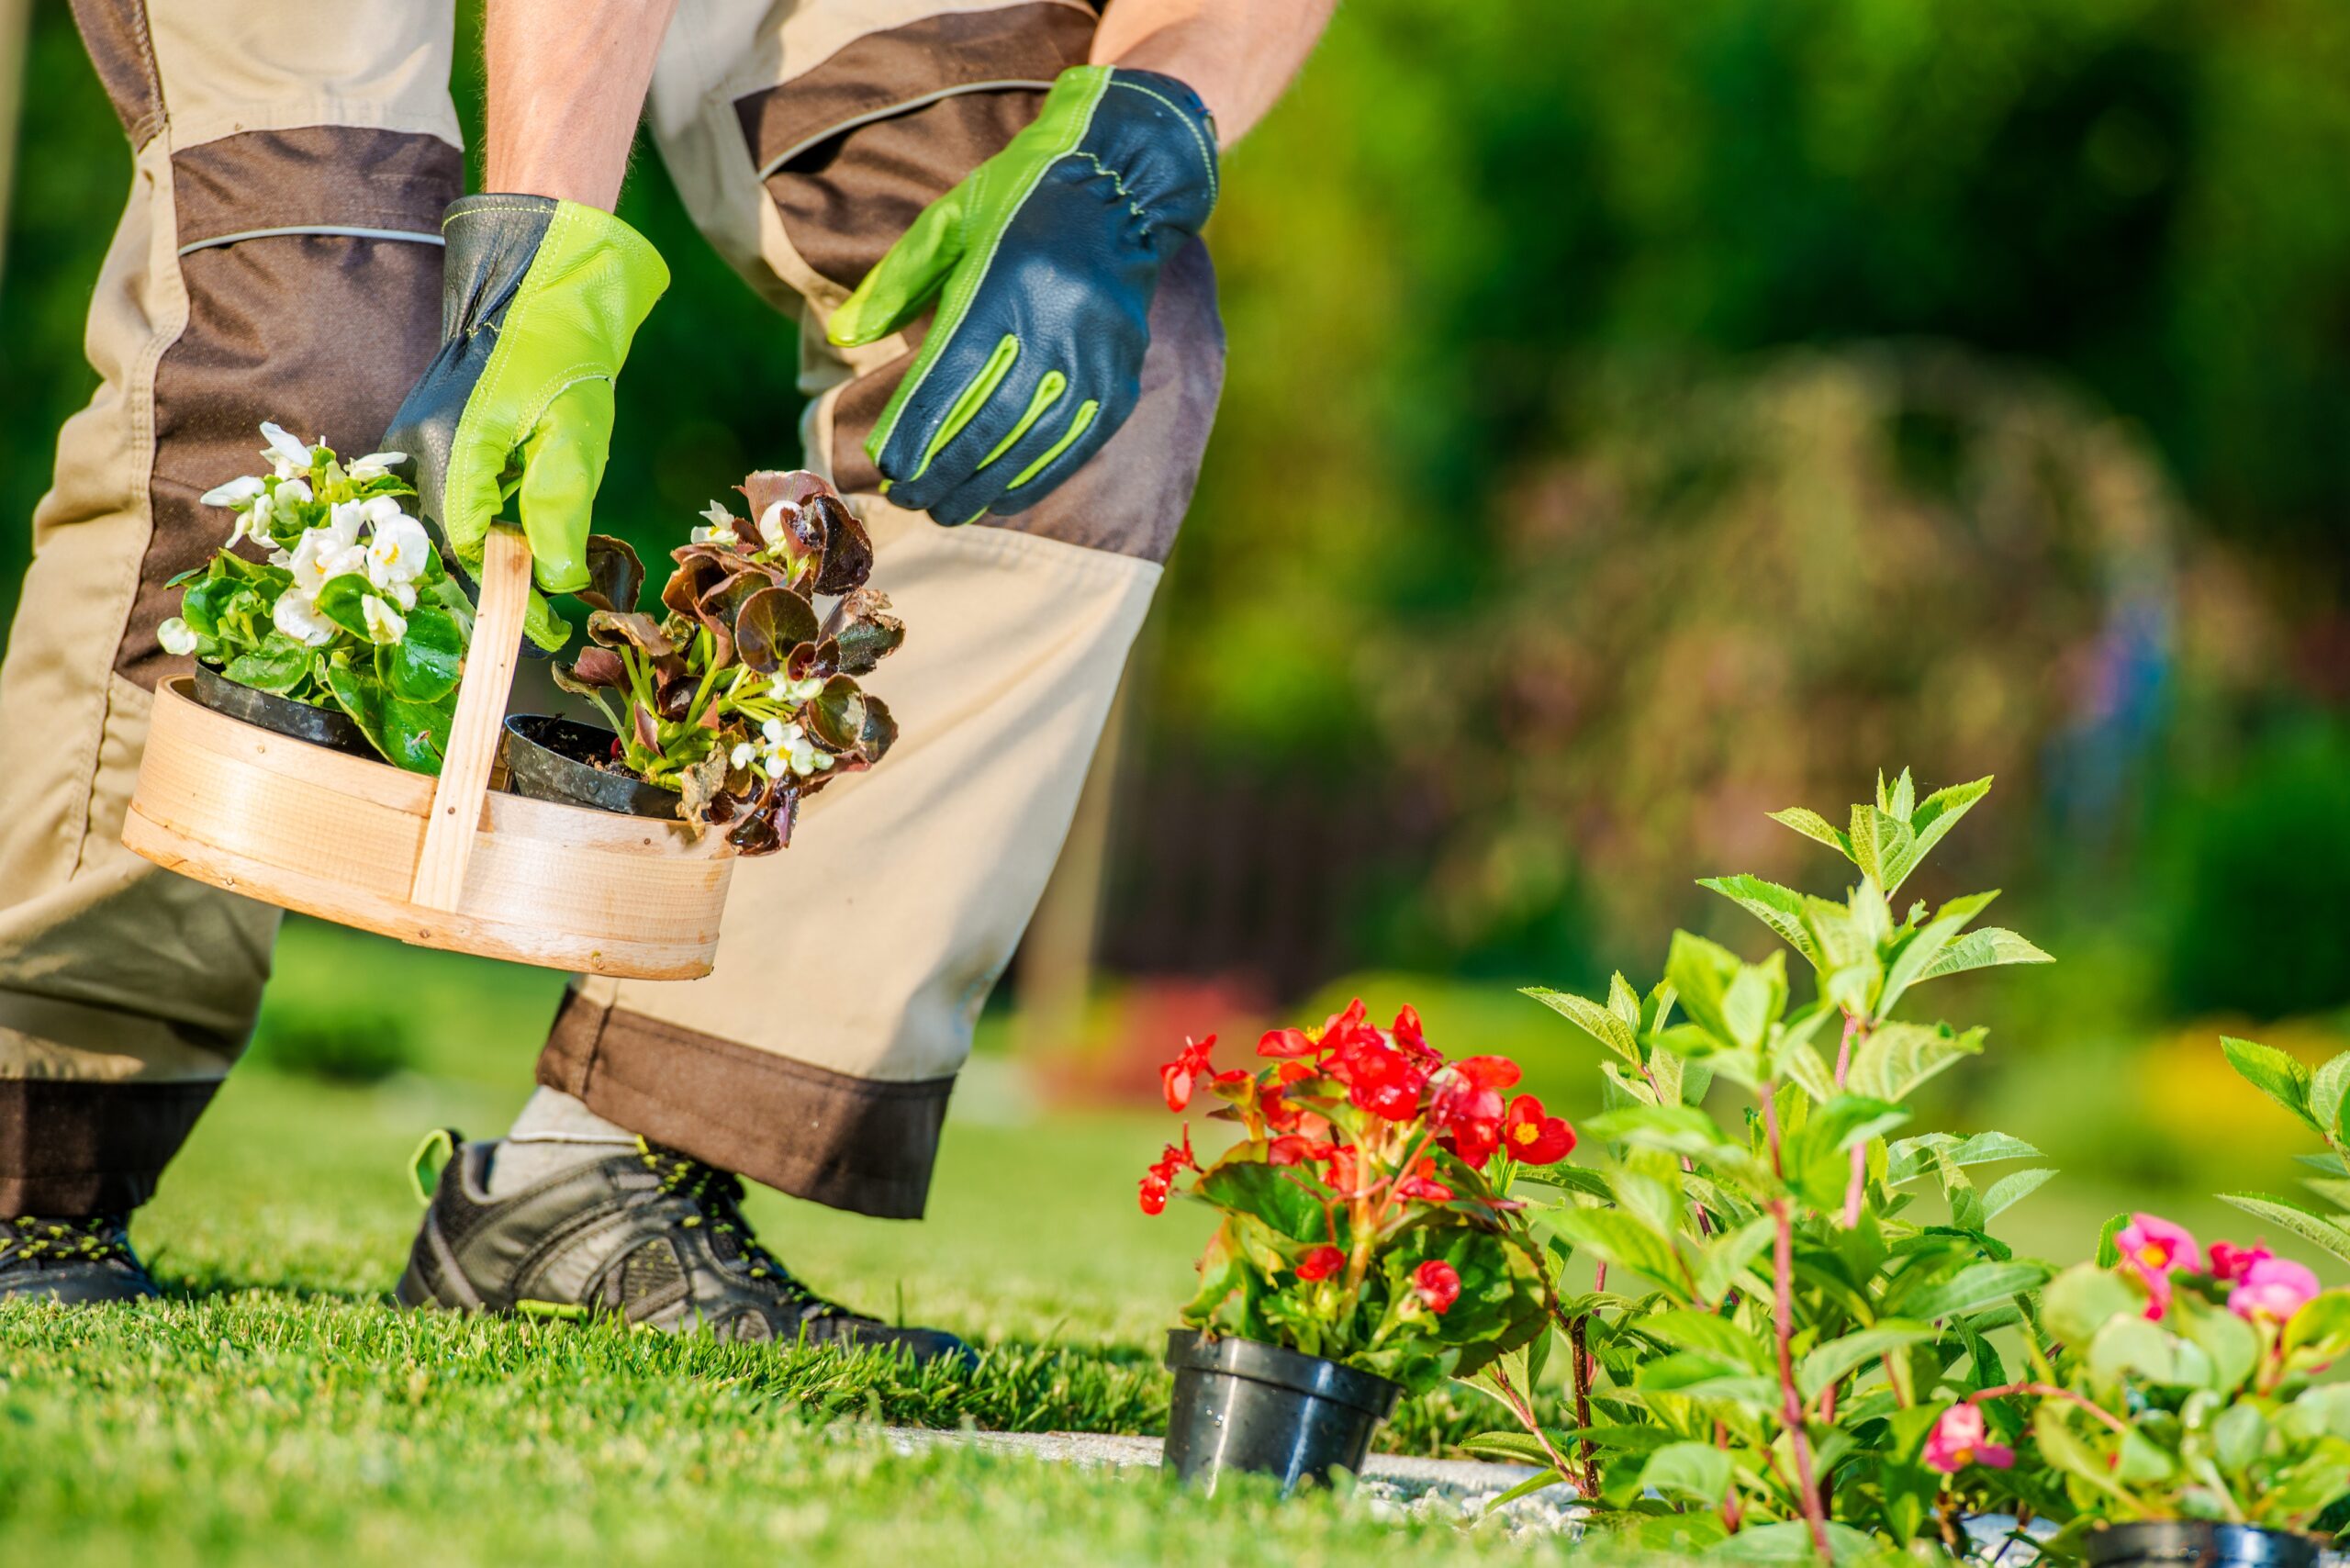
point(717, 1197)
point(101, 1239)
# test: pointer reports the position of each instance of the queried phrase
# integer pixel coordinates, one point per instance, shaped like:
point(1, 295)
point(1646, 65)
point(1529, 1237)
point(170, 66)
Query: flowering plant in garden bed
point(2165, 1383)
point(1776, 1329)
point(1365, 1203)
point(741, 697)
point(350, 606)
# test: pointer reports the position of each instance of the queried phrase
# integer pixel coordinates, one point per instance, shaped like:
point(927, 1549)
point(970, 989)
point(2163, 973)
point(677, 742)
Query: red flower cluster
point(1414, 1101)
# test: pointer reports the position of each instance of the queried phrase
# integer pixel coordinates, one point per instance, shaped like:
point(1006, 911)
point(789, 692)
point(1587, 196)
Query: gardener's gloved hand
point(513, 418)
point(1044, 261)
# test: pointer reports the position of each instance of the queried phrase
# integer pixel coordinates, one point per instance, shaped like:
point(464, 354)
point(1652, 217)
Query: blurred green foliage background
point(1641, 417)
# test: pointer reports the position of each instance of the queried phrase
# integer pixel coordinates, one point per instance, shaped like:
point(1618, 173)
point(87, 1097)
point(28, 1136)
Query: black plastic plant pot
point(281, 715)
point(2204, 1543)
point(550, 758)
point(1259, 1409)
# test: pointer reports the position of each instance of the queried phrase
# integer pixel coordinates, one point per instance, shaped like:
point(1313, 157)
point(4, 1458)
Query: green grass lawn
point(279, 1408)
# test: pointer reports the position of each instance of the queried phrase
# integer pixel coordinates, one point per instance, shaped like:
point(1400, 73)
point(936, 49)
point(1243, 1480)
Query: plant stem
point(1580, 1364)
point(1782, 1314)
point(1522, 1406)
point(1854, 1033)
point(1688, 1166)
point(1733, 1516)
point(2050, 1391)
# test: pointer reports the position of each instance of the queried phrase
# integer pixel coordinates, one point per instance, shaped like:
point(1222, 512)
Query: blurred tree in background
point(1639, 417)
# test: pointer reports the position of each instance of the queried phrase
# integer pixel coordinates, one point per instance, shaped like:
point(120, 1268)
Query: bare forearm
point(1239, 55)
point(567, 81)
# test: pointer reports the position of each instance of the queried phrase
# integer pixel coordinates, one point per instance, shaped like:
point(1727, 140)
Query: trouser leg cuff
point(72, 1146)
point(850, 1143)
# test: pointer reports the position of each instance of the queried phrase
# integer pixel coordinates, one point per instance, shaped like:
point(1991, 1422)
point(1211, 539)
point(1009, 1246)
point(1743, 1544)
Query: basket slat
point(480, 721)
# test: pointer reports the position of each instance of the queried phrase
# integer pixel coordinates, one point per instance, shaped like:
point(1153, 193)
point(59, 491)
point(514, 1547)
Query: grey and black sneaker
point(650, 1235)
point(77, 1261)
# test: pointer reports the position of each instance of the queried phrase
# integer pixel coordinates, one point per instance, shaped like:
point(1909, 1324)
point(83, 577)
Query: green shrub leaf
point(2275, 1074)
point(2313, 1228)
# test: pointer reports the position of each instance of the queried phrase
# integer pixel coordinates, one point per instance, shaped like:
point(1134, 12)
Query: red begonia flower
point(1295, 1148)
point(1349, 1031)
point(1177, 1076)
point(1379, 1078)
point(1420, 1183)
point(1437, 1284)
point(1160, 1178)
point(1489, 1072)
point(1533, 1139)
point(1342, 1176)
point(1286, 1043)
point(1465, 1107)
point(1413, 1040)
point(1320, 1264)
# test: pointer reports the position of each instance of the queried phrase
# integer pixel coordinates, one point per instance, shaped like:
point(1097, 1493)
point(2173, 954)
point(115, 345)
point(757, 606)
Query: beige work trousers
point(279, 258)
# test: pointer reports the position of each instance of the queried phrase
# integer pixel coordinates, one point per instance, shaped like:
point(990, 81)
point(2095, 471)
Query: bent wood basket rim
point(438, 863)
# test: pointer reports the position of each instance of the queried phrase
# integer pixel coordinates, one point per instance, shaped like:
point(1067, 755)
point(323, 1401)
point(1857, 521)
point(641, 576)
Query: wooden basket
point(441, 863)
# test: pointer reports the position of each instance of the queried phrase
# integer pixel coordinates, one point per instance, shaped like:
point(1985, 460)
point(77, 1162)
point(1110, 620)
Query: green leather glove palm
point(1043, 263)
point(513, 420)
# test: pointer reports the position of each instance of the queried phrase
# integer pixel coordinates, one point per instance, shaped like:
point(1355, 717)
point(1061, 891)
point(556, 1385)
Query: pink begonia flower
point(2229, 1261)
point(2153, 1248)
point(1959, 1439)
point(2273, 1289)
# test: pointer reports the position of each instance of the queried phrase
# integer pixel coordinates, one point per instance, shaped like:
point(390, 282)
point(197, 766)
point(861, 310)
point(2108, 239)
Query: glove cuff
point(1159, 137)
point(494, 238)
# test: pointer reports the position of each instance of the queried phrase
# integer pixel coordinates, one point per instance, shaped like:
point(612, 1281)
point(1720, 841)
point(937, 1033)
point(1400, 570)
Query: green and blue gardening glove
point(1042, 263)
point(513, 420)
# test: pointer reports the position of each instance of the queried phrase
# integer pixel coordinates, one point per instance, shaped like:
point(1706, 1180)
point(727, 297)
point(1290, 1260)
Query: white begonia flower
point(176, 636)
point(235, 493)
point(401, 594)
point(374, 465)
point(296, 615)
point(743, 753)
point(721, 530)
point(398, 550)
point(795, 692)
point(778, 733)
point(293, 490)
point(385, 624)
point(803, 757)
point(290, 455)
point(323, 554)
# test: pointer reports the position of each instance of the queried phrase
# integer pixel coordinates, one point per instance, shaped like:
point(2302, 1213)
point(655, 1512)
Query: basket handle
point(480, 720)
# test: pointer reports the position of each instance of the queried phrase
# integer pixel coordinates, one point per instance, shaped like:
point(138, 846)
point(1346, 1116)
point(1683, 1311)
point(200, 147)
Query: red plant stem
point(2050, 1391)
point(1853, 1033)
point(1733, 1516)
point(1688, 1166)
point(1783, 1314)
point(1578, 1346)
point(1522, 1406)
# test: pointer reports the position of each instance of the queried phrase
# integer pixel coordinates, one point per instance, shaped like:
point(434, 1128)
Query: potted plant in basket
point(740, 701)
point(347, 631)
point(1788, 1293)
point(1363, 1252)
